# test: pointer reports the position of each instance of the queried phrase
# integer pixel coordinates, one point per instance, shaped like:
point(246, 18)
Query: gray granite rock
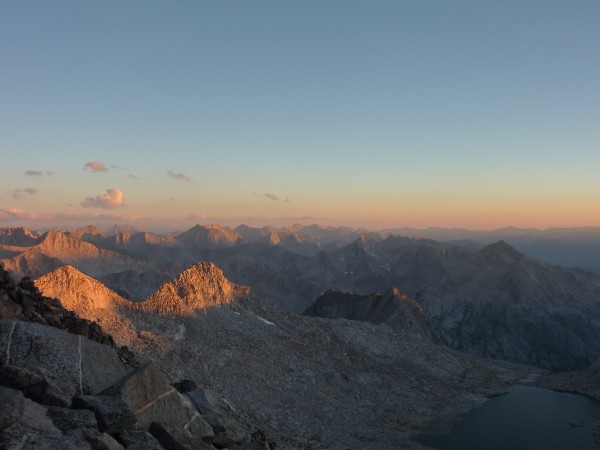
point(66, 419)
point(151, 398)
point(71, 364)
point(96, 439)
point(32, 441)
point(227, 425)
point(112, 412)
point(13, 403)
point(20, 416)
point(174, 439)
point(139, 440)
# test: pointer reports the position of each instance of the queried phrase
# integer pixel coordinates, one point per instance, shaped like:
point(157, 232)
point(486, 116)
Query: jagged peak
point(52, 234)
point(395, 292)
point(200, 286)
point(201, 269)
point(54, 241)
point(365, 241)
point(72, 274)
point(68, 269)
point(77, 290)
point(53, 238)
point(243, 227)
point(120, 228)
point(501, 248)
point(210, 236)
point(20, 230)
point(88, 229)
point(20, 236)
point(210, 226)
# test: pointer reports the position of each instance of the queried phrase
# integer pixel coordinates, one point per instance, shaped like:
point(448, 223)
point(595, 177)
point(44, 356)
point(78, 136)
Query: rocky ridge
point(292, 374)
point(55, 248)
point(91, 300)
point(209, 236)
point(202, 285)
point(392, 308)
point(24, 302)
point(492, 302)
point(18, 237)
point(63, 390)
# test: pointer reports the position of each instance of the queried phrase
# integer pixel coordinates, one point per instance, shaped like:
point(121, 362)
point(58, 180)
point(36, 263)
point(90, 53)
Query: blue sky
point(388, 113)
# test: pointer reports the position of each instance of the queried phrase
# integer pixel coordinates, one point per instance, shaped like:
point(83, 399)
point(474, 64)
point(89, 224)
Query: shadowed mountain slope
point(393, 308)
point(498, 303)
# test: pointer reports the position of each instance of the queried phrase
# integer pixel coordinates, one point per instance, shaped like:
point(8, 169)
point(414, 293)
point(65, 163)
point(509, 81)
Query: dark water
point(524, 419)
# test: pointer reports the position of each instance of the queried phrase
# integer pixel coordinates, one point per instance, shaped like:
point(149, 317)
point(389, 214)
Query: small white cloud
point(272, 197)
point(34, 173)
point(197, 216)
point(114, 198)
point(95, 167)
point(178, 175)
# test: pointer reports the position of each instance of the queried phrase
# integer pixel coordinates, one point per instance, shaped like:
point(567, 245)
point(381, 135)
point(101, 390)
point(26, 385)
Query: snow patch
point(268, 322)
point(180, 333)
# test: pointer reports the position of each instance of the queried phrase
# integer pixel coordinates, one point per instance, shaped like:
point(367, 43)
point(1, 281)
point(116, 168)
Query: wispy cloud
point(20, 193)
point(95, 167)
point(34, 173)
point(18, 213)
point(114, 198)
point(124, 169)
point(272, 197)
point(178, 175)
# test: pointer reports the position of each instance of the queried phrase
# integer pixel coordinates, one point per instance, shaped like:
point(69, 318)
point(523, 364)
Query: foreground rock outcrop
point(24, 302)
point(63, 390)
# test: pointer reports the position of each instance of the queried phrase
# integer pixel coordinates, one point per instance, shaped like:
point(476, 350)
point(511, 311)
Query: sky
point(474, 114)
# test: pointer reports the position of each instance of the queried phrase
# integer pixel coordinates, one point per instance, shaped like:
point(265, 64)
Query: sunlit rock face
point(201, 286)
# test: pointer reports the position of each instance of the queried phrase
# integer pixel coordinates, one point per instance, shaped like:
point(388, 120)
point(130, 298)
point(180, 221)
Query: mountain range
point(292, 374)
point(393, 328)
point(491, 301)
